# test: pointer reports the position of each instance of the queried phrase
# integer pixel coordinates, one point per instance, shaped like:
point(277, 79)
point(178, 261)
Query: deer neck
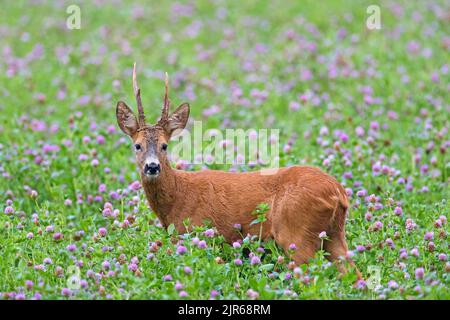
point(160, 192)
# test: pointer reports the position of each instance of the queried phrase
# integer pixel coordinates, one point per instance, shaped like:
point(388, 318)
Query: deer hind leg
point(307, 245)
point(337, 248)
point(306, 249)
point(291, 225)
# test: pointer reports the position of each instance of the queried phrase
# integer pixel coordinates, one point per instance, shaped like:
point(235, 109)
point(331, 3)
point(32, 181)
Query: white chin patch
point(151, 176)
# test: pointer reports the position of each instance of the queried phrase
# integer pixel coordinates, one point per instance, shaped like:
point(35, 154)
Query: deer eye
point(164, 147)
point(137, 147)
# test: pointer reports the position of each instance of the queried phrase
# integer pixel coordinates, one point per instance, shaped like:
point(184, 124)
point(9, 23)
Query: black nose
point(152, 168)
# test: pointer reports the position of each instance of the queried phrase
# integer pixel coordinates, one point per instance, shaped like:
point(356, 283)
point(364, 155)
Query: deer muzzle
point(152, 168)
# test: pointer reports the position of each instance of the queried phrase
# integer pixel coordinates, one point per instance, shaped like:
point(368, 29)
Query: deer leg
point(304, 253)
point(306, 245)
point(336, 246)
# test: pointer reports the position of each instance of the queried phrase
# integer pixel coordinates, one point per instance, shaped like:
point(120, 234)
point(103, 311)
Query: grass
point(365, 99)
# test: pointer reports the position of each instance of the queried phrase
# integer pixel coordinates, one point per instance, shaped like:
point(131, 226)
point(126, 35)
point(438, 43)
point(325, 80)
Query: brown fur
point(303, 200)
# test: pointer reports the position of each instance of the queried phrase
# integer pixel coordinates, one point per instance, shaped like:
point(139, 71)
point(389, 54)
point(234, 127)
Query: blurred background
point(224, 57)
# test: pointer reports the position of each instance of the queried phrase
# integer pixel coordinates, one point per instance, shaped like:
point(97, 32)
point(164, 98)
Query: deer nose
point(152, 168)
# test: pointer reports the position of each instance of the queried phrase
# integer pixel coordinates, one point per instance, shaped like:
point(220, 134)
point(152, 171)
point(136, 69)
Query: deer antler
point(137, 93)
point(165, 109)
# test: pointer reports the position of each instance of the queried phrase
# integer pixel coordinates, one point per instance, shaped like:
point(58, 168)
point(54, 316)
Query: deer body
point(303, 200)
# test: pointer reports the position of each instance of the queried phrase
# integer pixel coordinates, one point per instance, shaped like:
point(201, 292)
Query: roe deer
point(303, 201)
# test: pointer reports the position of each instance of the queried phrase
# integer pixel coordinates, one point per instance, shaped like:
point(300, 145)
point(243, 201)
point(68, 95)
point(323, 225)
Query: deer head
point(150, 141)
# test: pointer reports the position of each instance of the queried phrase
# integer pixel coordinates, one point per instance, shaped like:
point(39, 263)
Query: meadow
point(370, 107)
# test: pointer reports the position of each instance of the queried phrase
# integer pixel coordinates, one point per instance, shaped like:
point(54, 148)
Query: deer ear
point(178, 119)
point(126, 119)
